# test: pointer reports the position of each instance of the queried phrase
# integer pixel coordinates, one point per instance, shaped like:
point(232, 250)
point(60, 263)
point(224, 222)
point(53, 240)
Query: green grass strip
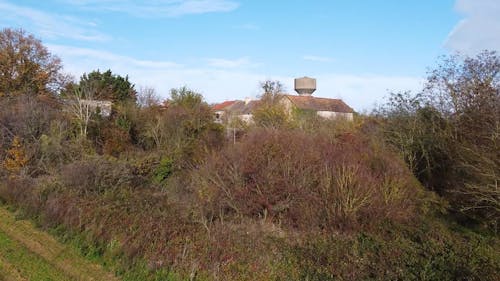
point(65, 260)
point(28, 264)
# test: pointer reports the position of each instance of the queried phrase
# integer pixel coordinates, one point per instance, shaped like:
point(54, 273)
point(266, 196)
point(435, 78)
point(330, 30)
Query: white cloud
point(214, 82)
point(108, 57)
point(363, 92)
point(50, 25)
point(218, 83)
point(317, 58)
point(479, 30)
point(157, 8)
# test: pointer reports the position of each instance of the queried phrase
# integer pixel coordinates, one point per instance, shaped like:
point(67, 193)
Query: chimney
point(305, 86)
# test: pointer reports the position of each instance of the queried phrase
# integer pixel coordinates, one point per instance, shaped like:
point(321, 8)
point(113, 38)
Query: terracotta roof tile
point(243, 107)
point(319, 104)
point(223, 105)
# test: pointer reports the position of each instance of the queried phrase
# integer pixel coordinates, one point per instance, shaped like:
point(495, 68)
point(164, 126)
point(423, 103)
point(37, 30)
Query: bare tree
point(273, 91)
point(271, 113)
point(147, 97)
point(81, 107)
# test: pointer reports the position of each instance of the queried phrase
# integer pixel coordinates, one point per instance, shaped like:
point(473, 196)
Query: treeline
point(159, 192)
point(449, 134)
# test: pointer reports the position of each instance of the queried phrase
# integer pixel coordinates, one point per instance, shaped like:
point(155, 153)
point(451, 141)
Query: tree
point(26, 66)
point(273, 91)
point(147, 98)
point(271, 113)
point(109, 86)
point(422, 135)
point(185, 98)
point(81, 108)
point(468, 91)
point(185, 129)
point(449, 133)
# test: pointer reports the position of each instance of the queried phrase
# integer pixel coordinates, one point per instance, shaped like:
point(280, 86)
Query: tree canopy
point(448, 133)
point(26, 66)
point(108, 86)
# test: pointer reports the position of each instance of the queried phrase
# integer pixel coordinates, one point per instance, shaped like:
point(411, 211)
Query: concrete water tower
point(305, 86)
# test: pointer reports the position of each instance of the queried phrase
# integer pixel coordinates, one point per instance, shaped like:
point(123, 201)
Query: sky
point(358, 51)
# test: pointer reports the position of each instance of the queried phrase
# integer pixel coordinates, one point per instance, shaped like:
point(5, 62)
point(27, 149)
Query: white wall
point(334, 115)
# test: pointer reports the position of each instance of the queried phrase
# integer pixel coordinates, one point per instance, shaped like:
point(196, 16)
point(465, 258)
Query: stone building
point(304, 101)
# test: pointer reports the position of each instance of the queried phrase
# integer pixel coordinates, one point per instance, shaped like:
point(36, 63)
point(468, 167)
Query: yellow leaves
point(26, 66)
point(16, 157)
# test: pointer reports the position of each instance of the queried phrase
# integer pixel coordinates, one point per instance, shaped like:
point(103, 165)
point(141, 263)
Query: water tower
point(305, 86)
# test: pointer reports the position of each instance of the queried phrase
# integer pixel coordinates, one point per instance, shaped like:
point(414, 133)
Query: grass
point(19, 263)
point(29, 254)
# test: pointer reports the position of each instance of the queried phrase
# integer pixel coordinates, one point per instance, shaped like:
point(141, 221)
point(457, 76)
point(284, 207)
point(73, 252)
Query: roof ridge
point(323, 98)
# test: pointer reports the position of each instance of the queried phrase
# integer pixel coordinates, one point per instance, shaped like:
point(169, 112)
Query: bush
point(185, 129)
point(164, 169)
point(306, 182)
point(424, 251)
point(448, 134)
point(98, 175)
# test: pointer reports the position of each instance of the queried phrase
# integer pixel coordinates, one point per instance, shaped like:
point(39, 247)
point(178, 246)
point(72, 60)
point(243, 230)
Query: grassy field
point(29, 254)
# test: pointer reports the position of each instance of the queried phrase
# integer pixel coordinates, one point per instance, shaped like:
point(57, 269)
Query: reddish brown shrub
point(96, 175)
point(306, 181)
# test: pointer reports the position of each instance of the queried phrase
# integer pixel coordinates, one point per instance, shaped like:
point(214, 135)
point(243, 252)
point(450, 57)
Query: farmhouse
point(304, 101)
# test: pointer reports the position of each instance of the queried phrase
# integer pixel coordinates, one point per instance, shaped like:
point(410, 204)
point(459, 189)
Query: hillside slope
point(29, 254)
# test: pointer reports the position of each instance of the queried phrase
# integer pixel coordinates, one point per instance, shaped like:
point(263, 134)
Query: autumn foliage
point(16, 157)
point(307, 181)
point(26, 66)
point(159, 191)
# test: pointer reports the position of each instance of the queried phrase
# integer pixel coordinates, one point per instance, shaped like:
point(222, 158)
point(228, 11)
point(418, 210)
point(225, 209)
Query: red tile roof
point(319, 104)
point(244, 107)
point(223, 105)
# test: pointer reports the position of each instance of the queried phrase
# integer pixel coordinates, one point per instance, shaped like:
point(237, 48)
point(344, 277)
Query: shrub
point(185, 129)
point(164, 169)
point(16, 157)
point(97, 175)
point(424, 250)
point(449, 132)
point(305, 181)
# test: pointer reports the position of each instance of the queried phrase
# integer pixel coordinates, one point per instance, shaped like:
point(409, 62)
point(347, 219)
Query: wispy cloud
point(479, 30)
point(158, 8)
point(228, 63)
point(103, 57)
point(231, 81)
point(363, 92)
point(50, 25)
point(317, 58)
point(214, 83)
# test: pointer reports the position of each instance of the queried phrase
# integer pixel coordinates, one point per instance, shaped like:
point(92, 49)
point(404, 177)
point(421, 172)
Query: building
point(221, 110)
point(101, 106)
point(304, 101)
point(324, 107)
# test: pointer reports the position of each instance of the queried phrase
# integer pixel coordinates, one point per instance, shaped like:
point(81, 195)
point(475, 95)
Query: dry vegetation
point(29, 254)
point(159, 193)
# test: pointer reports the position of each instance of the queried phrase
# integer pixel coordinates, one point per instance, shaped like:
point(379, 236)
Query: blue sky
point(357, 50)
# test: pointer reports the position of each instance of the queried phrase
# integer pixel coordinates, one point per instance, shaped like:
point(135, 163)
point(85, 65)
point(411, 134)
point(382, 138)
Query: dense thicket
point(449, 133)
point(307, 181)
point(159, 192)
